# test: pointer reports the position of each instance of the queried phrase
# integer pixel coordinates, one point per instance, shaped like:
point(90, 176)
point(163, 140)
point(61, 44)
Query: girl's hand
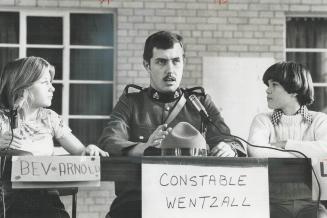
point(5, 139)
point(94, 150)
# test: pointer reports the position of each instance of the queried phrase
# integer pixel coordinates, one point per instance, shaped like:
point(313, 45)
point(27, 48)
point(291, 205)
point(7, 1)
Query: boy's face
point(278, 97)
point(42, 91)
point(166, 68)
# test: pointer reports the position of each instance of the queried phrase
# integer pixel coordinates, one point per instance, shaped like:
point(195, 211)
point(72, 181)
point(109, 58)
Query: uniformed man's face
point(166, 68)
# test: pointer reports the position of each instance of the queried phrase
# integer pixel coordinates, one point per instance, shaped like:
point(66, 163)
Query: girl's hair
point(17, 76)
point(294, 78)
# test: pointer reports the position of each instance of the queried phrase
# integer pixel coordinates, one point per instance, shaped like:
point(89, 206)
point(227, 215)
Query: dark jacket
point(135, 117)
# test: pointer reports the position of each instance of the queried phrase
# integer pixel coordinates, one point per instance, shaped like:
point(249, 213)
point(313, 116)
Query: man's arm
point(116, 137)
point(154, 141)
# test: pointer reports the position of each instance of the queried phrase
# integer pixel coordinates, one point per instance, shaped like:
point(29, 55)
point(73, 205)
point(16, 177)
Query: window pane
point(44, 30)
point(320, 103)
point(9, 27)
point(91, 29)
point(6, 55)
point(57, 98)
point(53, 56)
point(316, 62)
point(91, 64)
point(90, 99)
point(88, 131)
point(306, 32)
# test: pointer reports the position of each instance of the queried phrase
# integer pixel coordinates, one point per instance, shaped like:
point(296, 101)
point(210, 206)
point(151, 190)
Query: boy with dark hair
point(291, 126)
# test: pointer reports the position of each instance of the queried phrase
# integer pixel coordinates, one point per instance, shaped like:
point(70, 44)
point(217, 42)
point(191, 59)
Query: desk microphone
point(199, 107)
point(13, 119)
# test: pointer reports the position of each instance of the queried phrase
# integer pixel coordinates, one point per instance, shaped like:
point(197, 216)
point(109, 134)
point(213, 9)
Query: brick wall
point(92, 202)
point(242, 28)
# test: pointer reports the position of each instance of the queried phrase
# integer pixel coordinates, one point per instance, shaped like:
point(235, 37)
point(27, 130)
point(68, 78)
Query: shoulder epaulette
point(198, 90)
point(132, 86)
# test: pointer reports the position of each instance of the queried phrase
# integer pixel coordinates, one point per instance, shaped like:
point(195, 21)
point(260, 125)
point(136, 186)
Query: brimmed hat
point(184, 140)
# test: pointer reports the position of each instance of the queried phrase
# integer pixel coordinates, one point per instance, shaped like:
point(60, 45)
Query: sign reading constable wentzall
point(176, 191)
point(55, 168)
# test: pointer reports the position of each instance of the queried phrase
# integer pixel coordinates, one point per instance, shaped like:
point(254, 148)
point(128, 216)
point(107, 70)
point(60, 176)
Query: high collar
point(277, 115)
point(164, 96)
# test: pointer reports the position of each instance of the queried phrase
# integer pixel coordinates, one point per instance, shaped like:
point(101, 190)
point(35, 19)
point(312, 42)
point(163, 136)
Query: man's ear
point(146, 65)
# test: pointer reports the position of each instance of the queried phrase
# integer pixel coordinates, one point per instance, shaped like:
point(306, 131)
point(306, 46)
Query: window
point(306, 43)
point(9, 37)
point(81, 47)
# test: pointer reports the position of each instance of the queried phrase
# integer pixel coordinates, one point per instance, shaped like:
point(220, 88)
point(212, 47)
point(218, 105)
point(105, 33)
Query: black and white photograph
point(163, 108)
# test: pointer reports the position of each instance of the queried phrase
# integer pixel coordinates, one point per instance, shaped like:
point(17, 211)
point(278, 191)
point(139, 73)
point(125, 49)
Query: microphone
point(203, 112)
point(199, 107)
point(13, 119)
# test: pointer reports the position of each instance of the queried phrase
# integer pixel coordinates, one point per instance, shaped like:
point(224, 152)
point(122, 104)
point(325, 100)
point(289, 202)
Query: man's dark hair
point(160, 40)
point(294, 78)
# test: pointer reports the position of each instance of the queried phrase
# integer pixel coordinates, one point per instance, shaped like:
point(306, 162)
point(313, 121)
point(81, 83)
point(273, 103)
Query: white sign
point(235, 85)
point(175, 191)
point(55, 171)
point(320, 168)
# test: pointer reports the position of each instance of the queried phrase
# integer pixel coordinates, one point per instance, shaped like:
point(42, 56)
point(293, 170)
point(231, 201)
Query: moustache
point(169, 78)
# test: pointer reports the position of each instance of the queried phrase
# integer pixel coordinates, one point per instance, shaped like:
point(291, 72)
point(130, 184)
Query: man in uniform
point(141, 120)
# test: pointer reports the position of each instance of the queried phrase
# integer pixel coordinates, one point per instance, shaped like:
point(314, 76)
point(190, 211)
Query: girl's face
point(42, 91)
point(278, 97)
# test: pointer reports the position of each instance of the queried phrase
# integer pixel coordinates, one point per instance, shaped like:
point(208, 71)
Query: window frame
point(303, 50)
point(66, 47)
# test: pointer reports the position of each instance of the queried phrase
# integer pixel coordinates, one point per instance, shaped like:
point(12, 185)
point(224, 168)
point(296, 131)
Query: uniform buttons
point(167, 108)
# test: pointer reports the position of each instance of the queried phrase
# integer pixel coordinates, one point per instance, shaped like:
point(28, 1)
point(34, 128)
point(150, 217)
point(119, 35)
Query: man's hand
point(157, 136)
point(222, 150)
point(280, 144)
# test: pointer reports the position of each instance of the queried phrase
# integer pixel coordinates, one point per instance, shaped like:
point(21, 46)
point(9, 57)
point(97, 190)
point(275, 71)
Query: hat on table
point(184, 140)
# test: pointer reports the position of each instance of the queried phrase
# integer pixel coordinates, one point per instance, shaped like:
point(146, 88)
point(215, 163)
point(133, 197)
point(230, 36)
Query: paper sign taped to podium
point(55, 169)
point(320, 167)
point(176, 191)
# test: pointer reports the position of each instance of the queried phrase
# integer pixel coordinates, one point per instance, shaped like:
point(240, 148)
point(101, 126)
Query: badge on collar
point(155, 95)
point(176, 95)
point(164, 97)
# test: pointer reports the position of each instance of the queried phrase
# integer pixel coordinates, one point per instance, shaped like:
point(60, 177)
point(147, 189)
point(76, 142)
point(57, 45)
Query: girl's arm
point(68, 140)
point(74, 146)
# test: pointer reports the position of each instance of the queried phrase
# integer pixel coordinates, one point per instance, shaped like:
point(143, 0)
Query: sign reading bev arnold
point(55, 169)
point(204, 191)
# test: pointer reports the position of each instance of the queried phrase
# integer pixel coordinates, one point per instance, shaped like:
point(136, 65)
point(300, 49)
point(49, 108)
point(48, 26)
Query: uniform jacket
point(137, 115)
